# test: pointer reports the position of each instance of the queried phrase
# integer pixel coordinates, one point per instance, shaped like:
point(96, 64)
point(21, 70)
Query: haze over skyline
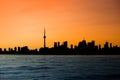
point(22, 22)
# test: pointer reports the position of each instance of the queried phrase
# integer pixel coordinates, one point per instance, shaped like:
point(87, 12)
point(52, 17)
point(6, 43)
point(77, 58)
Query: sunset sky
point(22, 22)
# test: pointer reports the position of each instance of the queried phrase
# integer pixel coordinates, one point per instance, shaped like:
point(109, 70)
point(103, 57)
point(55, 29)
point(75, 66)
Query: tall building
point(55, 45)
point(106, 46)
point(65, 44)
point(44, 38)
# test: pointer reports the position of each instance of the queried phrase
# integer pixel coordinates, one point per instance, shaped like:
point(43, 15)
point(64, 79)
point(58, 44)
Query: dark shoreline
point(83, 48)
point(64, 54)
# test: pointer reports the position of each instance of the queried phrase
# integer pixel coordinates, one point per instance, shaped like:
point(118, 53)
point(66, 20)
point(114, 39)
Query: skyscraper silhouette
point(44, 38)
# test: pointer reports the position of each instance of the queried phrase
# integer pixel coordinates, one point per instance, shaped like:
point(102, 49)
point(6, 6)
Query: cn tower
point(44, 38)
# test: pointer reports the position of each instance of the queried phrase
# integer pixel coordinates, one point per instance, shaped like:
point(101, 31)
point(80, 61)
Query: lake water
point(48, 67)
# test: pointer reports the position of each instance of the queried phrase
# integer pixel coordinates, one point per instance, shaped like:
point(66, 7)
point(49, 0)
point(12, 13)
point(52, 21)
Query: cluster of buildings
point(83, 48)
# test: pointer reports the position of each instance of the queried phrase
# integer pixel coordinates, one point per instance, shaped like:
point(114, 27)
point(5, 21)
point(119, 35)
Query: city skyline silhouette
point(83, 48)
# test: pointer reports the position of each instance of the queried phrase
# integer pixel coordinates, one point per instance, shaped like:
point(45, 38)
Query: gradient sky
point(22, 22)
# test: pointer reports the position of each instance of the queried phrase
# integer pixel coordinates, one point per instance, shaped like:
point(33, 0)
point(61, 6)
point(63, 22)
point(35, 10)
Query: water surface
point(48, 67)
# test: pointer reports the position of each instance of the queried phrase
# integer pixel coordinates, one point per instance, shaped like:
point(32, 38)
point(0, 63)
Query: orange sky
point(22, 22)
